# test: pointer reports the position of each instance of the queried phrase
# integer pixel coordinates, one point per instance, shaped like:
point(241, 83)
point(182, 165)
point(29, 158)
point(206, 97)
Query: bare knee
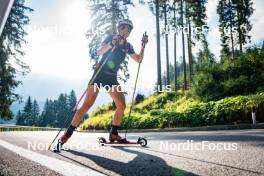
point(121, 106)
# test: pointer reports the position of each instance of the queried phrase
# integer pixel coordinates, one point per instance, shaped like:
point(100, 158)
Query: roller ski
point(117, 140)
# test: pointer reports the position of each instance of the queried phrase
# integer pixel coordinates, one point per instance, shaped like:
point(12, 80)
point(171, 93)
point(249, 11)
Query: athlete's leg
point(119, 99)
point(91, 94)
point(89, 100)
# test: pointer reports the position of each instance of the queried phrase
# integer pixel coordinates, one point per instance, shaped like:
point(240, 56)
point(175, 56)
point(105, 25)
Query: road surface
point(237, 152)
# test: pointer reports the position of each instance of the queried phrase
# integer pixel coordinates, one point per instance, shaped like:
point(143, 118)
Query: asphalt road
point(238, 152)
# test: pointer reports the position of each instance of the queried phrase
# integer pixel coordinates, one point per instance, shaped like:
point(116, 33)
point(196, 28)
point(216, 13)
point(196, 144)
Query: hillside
point(177, 109)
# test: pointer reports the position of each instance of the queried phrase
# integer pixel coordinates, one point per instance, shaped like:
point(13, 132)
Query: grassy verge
point(26, 128)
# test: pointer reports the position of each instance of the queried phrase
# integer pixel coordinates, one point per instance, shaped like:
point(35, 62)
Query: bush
point(242, 75)
point(182, 110)
point(139, 98)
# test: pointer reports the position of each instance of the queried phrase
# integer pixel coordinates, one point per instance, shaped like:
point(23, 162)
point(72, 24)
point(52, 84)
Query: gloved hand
point(118, 40)
point(145, 39)
point(96, 66)
point(115, 41)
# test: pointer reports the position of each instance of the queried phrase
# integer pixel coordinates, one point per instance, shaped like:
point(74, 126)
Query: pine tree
point(244, 10)
point(183, 44)
point(165, 9)
point(72, 100)
point(40, 121)
point(155, 7)
point(47, 114)
point(10, 48)
point(159, 82)
point(62, 110)
point(234, 17)
point(28, 113)
point(178, 21)
point(55, 112)
point(20, 118)
point(36, 113)
point(226, 13)
point(174, 24)
point(189, 39)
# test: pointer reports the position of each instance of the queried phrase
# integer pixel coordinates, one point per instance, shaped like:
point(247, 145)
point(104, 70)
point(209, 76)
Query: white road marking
point(57, 165)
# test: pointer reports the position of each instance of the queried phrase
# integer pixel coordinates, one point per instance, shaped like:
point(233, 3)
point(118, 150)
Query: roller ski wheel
point(58, 147)
point(102, 141)
point(141, 141)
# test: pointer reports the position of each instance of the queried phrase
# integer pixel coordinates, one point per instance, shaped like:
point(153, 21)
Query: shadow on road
point(142, 164)
point(207, 162)
point(209, 137)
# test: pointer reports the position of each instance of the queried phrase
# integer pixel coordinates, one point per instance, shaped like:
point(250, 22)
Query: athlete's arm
point(137, 57)
point(103, 49)
point(107, 44)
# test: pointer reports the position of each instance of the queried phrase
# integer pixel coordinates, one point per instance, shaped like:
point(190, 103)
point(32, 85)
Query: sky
point(57, 48)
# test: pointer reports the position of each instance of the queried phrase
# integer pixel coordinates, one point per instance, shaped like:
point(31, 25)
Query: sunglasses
point(125, 27)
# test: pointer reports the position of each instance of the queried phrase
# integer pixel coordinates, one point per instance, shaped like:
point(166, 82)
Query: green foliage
point(139, 98)
point(55, 112)
point(156, 102)
point(241, 76)
point(102, 109)
point(10, 49)
point(102, 121)
point(30, 114)
point(105, 16)
point(182, 110)
point(234, 17)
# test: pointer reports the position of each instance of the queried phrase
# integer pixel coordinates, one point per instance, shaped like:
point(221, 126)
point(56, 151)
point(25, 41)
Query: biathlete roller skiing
point(113, 51)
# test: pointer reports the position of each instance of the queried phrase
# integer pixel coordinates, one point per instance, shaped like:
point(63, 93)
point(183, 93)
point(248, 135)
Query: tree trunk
point(175, 48)
point(190, 49)
point(183, 50)
point(113, 20)
point(254, 116)
point(239, 32)
point(231, 31)
point(175, 61)
point(167, 46)
point(158, 47)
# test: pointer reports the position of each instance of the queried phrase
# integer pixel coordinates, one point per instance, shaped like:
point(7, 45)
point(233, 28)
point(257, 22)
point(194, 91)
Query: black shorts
point(105, 79)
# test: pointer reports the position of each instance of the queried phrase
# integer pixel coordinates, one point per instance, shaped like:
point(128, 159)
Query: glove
point(96, 66)
point(117, 40)
point(145, 39)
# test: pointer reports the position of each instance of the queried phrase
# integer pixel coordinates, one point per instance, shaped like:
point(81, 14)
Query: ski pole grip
point(143, 41)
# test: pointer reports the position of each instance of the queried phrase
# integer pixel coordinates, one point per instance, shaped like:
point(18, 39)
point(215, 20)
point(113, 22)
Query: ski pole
point(76, 105)
point(143, 44)
point(66, 120)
